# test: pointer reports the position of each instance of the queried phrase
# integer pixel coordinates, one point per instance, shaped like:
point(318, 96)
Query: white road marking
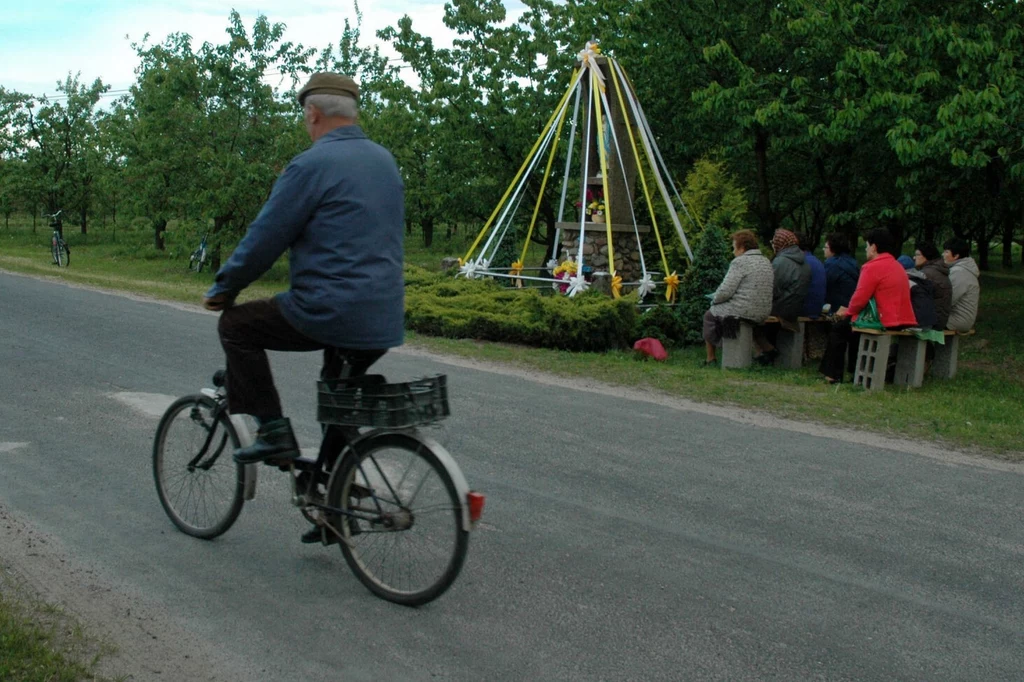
point(11, 447)
point(149, 404)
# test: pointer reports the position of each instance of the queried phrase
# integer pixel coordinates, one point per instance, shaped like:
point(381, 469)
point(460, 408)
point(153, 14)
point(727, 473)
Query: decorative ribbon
point(588, 56)
point(647, 285)
point(616, 285)
point(577, 285)
point(516, 269)
point(468, 270)
point(672, 284)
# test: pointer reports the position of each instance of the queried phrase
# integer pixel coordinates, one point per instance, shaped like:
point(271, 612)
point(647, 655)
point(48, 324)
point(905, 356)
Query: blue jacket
point(841, 274)
point(816, 293)
point(339, 208)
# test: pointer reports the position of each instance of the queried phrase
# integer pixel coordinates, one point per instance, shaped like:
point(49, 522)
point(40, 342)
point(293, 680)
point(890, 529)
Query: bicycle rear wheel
point(401, 529)
point(199, 484)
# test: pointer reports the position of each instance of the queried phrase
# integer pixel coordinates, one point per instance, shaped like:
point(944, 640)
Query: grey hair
point(333, 105)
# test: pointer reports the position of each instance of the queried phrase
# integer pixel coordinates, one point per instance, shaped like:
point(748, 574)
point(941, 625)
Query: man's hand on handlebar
point(218, 303)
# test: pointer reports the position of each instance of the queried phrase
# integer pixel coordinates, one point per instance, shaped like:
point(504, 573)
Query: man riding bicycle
point(339, 209)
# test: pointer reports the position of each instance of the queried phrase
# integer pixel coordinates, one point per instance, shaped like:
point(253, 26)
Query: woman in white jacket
point(963, 276)
point(745, 292)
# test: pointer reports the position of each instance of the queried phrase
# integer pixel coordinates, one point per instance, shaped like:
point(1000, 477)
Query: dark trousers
point(841, 351)
point(247, 332)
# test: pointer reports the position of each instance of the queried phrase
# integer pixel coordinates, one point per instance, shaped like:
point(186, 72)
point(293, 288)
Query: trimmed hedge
point(440, 305)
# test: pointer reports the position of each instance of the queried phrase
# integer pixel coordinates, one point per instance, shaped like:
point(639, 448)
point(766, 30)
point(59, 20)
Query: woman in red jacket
point(883, 279)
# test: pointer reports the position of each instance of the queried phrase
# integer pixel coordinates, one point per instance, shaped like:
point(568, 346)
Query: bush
point(662, 323)
point(710, 262)
point(712, 194)
point(439, 305)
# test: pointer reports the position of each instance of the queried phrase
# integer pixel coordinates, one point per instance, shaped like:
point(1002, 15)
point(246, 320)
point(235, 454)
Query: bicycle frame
point(335, 445)
point(245, 439)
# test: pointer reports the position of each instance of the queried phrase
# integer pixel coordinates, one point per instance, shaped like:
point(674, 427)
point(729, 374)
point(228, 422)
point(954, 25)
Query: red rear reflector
point(476, 506)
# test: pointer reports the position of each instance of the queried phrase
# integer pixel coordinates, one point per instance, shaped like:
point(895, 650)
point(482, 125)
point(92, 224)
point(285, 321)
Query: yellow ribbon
point(672, 286)
point(517, 268)
point(640, 168)
point(616, 285)
point(603, 158)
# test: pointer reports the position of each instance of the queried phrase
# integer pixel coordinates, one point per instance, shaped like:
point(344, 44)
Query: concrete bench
point(873, 358)
point(945, 362)
point(739, 352)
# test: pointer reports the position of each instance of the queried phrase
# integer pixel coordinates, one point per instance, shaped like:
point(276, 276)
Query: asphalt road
point(624, 539)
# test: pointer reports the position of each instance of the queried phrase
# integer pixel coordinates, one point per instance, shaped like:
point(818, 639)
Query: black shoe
point(316, 534)
point(274, 440)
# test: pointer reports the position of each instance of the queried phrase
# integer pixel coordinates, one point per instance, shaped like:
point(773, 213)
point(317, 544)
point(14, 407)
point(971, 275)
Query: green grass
point(40, 643)
point(980, 410)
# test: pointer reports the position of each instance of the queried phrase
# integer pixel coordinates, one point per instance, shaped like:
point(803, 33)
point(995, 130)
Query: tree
point(479, 109)
point(62, 154)
point(205, 134)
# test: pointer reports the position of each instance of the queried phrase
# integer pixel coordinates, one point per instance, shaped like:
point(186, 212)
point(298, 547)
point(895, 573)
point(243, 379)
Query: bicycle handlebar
point(53, 215)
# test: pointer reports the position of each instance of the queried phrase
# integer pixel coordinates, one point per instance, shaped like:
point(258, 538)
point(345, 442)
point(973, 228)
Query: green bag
point(868, 318)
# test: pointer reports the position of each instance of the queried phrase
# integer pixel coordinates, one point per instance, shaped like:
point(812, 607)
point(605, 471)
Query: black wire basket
point(369, 401)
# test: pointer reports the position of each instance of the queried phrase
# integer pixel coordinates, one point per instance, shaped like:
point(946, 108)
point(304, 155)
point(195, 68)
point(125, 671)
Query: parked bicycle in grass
point(392, 498)
point(58, 247)
point(198, 259)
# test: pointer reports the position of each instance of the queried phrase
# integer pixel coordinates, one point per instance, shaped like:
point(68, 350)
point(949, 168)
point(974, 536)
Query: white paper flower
point(469, 270)
point(577, 285)
point(647, 285)
point(552, 264)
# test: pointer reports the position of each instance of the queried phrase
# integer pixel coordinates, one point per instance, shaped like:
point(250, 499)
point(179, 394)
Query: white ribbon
point(647, 285)
point(577, 284)
point(588, 56)
point(469, 269)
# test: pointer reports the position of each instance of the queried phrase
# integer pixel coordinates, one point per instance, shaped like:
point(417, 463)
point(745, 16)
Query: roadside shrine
point(604, 243)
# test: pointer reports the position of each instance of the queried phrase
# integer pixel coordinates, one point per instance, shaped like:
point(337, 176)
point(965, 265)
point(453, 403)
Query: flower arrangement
point(565, 271)
point(594, 205)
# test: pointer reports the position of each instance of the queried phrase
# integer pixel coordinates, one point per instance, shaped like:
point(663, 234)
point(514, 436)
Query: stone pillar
point(595, 247)
point(621, 190)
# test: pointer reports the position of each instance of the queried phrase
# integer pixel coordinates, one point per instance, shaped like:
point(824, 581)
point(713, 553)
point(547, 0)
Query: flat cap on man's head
point(324, 83)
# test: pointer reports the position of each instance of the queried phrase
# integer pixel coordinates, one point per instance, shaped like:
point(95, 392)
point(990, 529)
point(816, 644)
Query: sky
point(41, 41)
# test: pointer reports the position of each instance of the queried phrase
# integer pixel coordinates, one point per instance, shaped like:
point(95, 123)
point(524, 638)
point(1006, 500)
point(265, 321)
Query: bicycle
point(198, 258)
point(58, 247)
point(392, 498)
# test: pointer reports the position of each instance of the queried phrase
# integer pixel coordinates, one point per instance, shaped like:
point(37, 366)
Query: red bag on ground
point(651, 348)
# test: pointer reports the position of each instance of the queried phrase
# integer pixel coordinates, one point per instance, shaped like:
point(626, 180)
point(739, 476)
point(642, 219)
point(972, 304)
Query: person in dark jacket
point(929, 261)
point(338, 209)
point(815, 298)
point(922, 295)
point(882, 279)
point(792, 280)
point(841, 272)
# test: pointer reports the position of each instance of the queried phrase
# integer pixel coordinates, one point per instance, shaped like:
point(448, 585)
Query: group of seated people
point(927, 291)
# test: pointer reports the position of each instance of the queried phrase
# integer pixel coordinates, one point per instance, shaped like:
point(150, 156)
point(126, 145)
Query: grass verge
point(979, 411)
point(41, 643)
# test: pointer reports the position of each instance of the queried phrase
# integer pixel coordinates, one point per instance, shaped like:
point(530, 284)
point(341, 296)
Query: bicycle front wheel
point(199, 484)
point(401, 523)
point(65, 254)
point(55, 252)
